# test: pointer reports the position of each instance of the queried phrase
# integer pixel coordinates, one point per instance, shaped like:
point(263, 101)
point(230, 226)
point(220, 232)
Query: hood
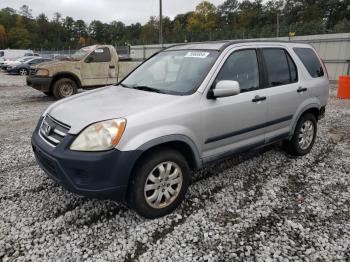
point(111, 102)
point(57, 65)
point(41, 65)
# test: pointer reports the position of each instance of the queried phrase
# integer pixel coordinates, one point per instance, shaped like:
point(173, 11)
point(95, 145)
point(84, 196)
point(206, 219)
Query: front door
point(235, 123)
point(95, 68)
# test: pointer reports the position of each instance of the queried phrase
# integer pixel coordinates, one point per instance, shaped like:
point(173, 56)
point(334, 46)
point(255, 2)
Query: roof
point(221, 45)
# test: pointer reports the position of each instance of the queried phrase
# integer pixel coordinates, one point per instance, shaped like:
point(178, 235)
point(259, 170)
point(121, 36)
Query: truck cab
point(90, 67)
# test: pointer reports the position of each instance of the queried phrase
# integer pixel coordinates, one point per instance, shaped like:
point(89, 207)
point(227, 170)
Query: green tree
point(227, 12)
point(19, 38)
point(149, 31)
point(205, 17)
point(25, 11)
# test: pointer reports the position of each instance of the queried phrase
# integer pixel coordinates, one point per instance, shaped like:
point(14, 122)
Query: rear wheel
point(304, 136)
point(23, 72)
point(64, 87)
point(159, 184)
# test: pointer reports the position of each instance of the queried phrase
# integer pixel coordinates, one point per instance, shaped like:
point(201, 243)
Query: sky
point(126, 11)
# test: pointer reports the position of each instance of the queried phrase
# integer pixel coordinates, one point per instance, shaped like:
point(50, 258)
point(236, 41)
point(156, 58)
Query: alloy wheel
point(163, 185)
point(306, 134)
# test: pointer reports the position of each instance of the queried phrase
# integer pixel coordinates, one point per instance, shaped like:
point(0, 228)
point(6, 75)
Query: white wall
point(333, 48)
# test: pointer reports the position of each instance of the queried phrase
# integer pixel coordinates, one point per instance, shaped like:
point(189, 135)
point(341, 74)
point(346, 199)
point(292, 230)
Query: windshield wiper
point(146, 88)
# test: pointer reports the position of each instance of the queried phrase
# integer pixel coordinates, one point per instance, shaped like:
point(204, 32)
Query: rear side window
point(310, 61)
point(281, 69)
point(2, 53)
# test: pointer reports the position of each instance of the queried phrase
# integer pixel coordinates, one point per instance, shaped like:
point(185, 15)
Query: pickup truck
point(90, 67)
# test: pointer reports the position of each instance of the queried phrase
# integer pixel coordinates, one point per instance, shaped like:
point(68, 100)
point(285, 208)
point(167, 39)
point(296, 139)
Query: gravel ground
point(261, 206)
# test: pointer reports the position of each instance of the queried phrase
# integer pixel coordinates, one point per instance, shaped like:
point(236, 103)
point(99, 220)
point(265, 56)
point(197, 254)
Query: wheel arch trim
point(301, 112)
point(173, 139)
point(63, 74)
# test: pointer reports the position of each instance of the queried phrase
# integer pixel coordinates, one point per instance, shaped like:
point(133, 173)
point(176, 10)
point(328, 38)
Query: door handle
point(301, 89)
point(111, 66)
point(258, 99)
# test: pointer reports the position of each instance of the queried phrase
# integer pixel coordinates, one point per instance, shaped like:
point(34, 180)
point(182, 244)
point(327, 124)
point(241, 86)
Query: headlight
point(42, 72)
point(100, 136)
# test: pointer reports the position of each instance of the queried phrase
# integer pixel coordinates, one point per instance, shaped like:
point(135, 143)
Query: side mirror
point(89, 59)
point(225, 88)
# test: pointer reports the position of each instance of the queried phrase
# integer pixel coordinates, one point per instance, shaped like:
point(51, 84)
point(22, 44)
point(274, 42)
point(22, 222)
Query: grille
point(53, 131)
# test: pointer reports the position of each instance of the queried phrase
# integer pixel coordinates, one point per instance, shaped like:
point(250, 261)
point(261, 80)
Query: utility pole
point(160, 23)
point(278, 26)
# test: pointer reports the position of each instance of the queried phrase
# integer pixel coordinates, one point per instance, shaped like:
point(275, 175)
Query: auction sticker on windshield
point(197, 54)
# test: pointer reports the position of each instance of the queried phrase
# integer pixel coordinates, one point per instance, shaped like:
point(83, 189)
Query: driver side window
point(100, 55)
point(241, 66)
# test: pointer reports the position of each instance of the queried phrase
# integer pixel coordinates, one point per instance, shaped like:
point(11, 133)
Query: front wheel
point(64, 87)
point(159, 184)
point(304, 136)
point(23, 72)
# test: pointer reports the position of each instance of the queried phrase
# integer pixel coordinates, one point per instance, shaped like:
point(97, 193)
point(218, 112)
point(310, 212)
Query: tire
point(304, 136)
point(64, 87)
point(148, 169)
point(23, 71)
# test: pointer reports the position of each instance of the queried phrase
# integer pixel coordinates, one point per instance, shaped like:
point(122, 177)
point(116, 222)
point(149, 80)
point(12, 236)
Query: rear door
point(95, 68)
point(235, 123)
point(283, 89)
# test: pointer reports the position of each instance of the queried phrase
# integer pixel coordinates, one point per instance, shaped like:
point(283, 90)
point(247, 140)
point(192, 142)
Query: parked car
point(90, 67)
point(184, 108)
point(13, 54)
point(15, 62)
point(24, 68)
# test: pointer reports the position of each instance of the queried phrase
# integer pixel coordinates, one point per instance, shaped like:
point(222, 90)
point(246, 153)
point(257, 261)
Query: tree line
point(231, 20)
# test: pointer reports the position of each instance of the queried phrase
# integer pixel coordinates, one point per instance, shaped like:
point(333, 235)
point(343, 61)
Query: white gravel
point(11, 80)
point(259, 206)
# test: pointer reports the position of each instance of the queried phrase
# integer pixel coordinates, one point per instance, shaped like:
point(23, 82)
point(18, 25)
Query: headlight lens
point(100, 136)
point(42, 72)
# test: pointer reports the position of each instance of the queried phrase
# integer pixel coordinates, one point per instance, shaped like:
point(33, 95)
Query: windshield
point(81, 53)
point(172, 72)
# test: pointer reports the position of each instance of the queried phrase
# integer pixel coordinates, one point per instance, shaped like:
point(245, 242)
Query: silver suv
point(185, 107)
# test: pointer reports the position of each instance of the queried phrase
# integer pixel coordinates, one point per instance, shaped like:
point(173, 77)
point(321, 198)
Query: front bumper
point(12, 70)
point(39, 83)
point(93, 174)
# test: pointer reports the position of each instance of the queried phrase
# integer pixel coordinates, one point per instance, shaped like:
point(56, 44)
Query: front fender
point(174, 138)
point(157, 136)
point(76, 77)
